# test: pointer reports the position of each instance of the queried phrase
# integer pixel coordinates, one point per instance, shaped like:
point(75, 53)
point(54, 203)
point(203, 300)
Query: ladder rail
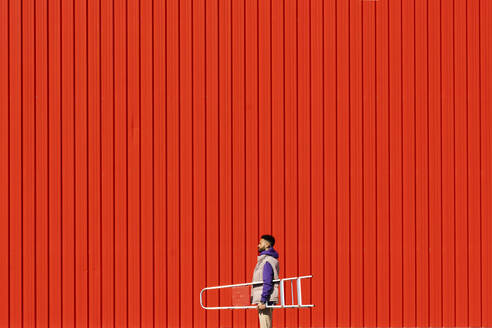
point(282, 296)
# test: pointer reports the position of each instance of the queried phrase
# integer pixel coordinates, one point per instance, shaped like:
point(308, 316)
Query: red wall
point(145, 146)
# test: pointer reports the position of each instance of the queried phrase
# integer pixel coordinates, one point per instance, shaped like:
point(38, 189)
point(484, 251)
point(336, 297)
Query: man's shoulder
point(270, 259)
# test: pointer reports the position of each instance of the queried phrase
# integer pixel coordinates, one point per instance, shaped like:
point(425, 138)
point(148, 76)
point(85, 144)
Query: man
point(266, 270)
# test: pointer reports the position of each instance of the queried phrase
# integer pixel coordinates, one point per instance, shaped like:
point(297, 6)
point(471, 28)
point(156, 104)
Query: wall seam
point(8, 146)
point(349, 175)
point(415, 156)
point(140, 155)
point(166, 264)
point(179, 161)
point(218, 152)
point(323, 145)
point(87, 157)
point(297, 142)
point(35, 174)
point(440, 130)
point(310, 164)
point(467, 179)
point(114, 171)
point(244, 146)
point(401, 149)
point(376, 148)
point(271, 123)
point(22, 159)
point(74, 166)
point(100, 175)
point(192, 161)
point(389, 163)
point(336, 157)
point(454, 157)
point(206, 166)
point(480, 139)
point(428, 172)
point(283, 136)
point(126, 128)
point(363, 164)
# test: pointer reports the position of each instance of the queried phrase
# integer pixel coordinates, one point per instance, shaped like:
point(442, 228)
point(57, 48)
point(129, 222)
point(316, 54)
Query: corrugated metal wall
point(145, 145)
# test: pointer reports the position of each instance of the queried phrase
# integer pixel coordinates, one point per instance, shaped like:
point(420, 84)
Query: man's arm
point(267, 282)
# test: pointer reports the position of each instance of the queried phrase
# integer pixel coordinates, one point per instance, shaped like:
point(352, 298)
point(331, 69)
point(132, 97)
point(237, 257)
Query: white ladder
point(282, 295)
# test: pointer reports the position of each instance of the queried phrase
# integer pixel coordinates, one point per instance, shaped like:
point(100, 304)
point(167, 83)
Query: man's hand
point(261, 306)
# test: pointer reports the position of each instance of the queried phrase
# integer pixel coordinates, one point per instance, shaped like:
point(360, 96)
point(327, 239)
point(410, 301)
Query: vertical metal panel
point(396, 164)
point(421, 170)
point(382, 126)
point(485, 10)
point(28, 169)
point(435, 166)
point(146, 145)
point(238, 150)
point(108, 216)
point(69, 281)
point(5, 165)
point(120, 167)
point(474, 165)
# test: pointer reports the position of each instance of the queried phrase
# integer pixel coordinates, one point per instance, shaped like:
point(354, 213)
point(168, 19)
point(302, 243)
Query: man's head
point(266, 241)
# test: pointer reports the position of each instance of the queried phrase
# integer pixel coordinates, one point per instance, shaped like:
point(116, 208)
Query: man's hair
point(269, 238)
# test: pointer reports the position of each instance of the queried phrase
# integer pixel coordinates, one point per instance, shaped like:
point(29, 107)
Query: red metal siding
point(145, 146)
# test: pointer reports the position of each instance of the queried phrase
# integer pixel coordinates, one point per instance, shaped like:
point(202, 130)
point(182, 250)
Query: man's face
point(263, 245)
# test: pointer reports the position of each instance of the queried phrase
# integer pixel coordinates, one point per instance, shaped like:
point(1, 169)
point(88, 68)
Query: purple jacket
point(268, 275)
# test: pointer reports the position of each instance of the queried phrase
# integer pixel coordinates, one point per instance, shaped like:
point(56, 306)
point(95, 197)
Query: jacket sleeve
point(267, 282)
